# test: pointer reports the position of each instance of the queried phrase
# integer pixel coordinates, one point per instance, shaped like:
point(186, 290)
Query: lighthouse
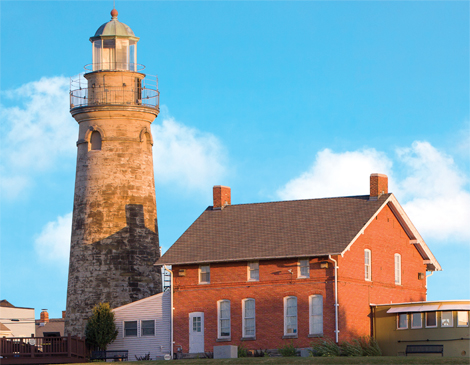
point(114, 241)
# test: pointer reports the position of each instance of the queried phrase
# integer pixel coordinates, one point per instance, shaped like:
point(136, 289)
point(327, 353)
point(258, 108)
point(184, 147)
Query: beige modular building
point(437, 328)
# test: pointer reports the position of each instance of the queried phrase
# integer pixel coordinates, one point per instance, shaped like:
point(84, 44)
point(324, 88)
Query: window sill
point(223, 339)
point(204, 283)
point(303, 277)
point(248, 339)
point(316, 336)
point(290, 336)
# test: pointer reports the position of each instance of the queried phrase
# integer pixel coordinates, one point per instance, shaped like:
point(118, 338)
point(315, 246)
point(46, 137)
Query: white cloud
point(337, 174)
point(186, 156)
point(37, 130)
point(433, 192)
point(53, 243)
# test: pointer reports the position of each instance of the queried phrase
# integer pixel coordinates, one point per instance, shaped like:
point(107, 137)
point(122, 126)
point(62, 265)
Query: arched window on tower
point(148, 141)
point(95, 140)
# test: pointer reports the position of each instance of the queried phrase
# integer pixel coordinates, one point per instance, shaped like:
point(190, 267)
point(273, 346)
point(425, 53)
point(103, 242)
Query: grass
point(422, 360)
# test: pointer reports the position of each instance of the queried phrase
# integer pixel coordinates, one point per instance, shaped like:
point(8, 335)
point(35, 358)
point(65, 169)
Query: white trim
point(249, 278)
point(407, 225)
point(296, 329)
point(154, 327)
point(124, 328)
point(451, 324)
point(199, 275)
point(423, 302)
point(426, 320)
point(398, 321)
point(244, 317)
point(219, 327)
point(420, 317)
point(397, 270)
point(465, 325)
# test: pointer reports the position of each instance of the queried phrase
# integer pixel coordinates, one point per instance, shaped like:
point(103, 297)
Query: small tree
point(100, 329)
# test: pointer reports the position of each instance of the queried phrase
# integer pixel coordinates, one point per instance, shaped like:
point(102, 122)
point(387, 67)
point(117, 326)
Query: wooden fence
point(42, 350)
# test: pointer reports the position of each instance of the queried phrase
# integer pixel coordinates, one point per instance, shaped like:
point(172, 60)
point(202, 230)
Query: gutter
point(171, 310)
point(336, 298)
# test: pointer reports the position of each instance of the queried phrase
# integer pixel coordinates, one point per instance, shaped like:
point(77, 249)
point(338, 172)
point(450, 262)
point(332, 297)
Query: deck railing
point(21, 350)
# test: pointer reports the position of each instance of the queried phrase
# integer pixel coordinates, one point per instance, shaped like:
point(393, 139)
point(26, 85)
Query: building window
point(130, 329)
point(416, 320)
point(431, 319)
point(223, 313)
point(304, 268)
point(462, 319)
point(197, 324)
point(249, 319)
point(204, 274)
point(316, 315)
point(290, 316)
point(447, 319)
point(95, 141)
point(397, 269)
point(402, 321)
point(253, 271)
point(147, 328)
point(367, 265)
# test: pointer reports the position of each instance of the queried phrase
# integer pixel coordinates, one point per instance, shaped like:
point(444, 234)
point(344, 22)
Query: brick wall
point(383, 237)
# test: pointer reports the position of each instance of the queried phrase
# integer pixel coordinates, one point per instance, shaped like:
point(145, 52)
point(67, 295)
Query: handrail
point(114, 66)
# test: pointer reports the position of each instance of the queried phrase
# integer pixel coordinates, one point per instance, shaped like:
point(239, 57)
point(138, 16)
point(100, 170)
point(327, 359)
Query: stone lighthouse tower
point(114, 230)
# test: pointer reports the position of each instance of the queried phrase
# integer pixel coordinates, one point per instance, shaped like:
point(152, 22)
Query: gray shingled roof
point(298, 228)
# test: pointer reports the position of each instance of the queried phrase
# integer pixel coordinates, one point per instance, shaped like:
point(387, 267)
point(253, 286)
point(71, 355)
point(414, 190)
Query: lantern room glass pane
point(108, 56)
point(122, 54)
point(132, 55)
point(96, 55)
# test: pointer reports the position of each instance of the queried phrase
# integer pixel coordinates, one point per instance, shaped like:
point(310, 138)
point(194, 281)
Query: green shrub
point(351, 349)
point(362, 346)
point(288, 350)
point(369, 346)
point(325, 347)
point(242, 351)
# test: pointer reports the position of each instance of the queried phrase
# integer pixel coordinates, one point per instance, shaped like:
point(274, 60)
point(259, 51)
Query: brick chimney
point(222, 196)
point(44, 316)
point(63, 314)
point(378, 186)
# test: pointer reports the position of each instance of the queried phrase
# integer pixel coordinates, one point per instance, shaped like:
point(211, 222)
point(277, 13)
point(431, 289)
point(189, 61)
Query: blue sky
point(278, 100)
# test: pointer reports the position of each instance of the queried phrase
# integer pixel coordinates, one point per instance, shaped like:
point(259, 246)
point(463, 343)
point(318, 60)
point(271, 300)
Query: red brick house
point(268, 273)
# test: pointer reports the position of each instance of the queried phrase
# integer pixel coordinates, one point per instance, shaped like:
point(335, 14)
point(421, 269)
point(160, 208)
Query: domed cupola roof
point(114, 28)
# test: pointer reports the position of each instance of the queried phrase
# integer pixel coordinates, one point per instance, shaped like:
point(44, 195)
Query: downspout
point(336, 297)
point(171, 310)
point(426, 286)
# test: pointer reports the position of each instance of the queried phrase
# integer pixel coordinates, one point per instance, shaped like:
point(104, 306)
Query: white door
point(196, 332)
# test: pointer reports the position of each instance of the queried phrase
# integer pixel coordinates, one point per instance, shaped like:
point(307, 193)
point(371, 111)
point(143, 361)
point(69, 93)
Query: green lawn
point(425, 360)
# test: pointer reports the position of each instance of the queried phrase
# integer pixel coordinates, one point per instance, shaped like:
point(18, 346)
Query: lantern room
point(114, 46)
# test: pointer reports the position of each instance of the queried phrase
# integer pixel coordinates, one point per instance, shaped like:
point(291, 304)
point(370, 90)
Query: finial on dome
point(114, 13)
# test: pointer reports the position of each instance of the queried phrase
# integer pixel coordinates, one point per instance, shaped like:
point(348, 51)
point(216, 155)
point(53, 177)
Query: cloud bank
point(433, 191)
point(53, 243)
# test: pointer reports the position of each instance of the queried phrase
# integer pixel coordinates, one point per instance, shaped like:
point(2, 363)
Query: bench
point(425, 349)
point(118, 355)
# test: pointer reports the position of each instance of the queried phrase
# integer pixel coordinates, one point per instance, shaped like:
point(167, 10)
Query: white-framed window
point(290, 316)
point(397, 269)
point(304, 269)
point(249, 317)
point(447, 319)
point(204, 274)
point(316, 314)
point(130, 329)
point(253, 271)
point(416, 320)
point(367, 265)
point(223, 318)
point(431, 319)
point(402, 322)
point(197, 324)
point(462, 319)
point(147, 327)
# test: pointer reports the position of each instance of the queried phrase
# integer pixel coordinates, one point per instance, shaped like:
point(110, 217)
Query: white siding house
point(17, 321)
point(144, 327)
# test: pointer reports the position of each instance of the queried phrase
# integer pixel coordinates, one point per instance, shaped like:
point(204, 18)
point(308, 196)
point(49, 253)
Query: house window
point(95, 140)
point(367, 265)
point(431, 319)
point(223, 312)
point(316, 315)
point(147, 328)
point(204, 274)
point(397, 269)
point(402, 321)
point(304, 268)
point(130, 329)
point(416, 320)
point(197, 324)
point(249, 323)
point(253, 271)
point(290, 316)
point(447, 319)
point(462, 319)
